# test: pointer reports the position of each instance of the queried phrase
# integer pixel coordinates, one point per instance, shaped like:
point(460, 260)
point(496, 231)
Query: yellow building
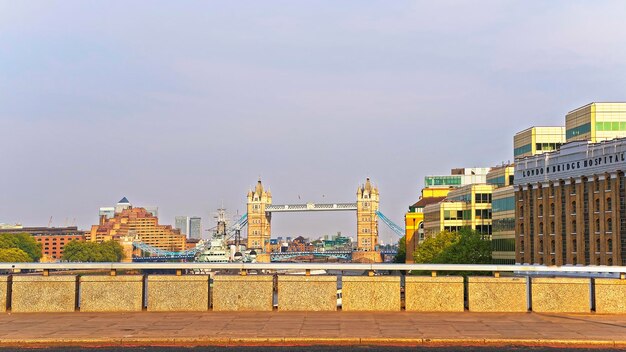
point(596, 122)
point(138, 224)
point(501, 176)
point(259, 221)
point(537, 140)
point(414, 218)
point(465, 207)
point(503, 225)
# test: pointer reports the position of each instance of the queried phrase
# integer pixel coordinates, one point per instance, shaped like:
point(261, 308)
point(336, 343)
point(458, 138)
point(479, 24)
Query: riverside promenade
point(311, 328)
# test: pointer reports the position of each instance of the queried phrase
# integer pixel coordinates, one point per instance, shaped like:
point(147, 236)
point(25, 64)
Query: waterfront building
point(503, 225)
point(501, 176)
point(109, 212)
point(52, 239)
point(571, 205)
point(537, 140)
point(458, 177)
point(465, 207)
point(596, 122)
point(137, 224)
point(414, 218)
point(436, 188)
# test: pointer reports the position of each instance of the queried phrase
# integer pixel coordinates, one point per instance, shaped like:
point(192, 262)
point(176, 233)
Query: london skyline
point(184, 105)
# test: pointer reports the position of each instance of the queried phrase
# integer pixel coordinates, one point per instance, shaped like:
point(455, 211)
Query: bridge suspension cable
point(392, 225)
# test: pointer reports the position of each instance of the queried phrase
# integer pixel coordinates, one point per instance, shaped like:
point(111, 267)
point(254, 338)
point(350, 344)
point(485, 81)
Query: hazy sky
point(184, 104)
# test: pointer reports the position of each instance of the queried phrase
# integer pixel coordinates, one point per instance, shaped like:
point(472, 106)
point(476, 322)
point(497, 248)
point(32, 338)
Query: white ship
point(218, 251)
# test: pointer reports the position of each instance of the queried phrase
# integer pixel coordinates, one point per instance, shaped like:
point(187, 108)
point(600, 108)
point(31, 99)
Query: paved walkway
point(336, 328)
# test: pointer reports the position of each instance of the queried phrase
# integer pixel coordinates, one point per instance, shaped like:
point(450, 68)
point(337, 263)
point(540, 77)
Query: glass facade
point(578, 130)
point(523, 150)
point(457, 215)
point(503, 245)
point(501, 225)
point(547, 147)
point(503, 204)
point(611, 126)
point(442, 181)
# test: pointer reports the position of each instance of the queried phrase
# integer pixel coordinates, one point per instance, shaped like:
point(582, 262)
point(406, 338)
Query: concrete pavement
point(297, 329)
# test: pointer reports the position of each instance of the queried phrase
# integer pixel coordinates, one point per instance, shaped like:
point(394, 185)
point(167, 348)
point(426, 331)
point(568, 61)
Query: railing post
point(370, 273)
point(113, 272)
point(622, 276)
point(433, 273)
point(179, 272)
point(46, 272)
point(243, 272)
point(496, 274)
point(307, 272)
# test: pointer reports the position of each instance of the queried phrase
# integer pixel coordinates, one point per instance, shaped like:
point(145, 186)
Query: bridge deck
point(335, 328)
point(281, 208)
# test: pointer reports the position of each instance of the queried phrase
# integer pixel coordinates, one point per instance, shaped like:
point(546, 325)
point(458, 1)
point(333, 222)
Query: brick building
point(52, 239)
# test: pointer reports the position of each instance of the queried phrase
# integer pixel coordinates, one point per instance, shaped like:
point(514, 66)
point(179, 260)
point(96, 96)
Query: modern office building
point(182, 224)
point(571, 205)
point(501, 176)
point(195, 227)
point(503, 225)
point(436, 189)
point(537, 140)
point(458, 177)
point(596, 122)
point(465, 207)
point(52, 239)
point(109, 212)
point(140, 225)
point(414, 218)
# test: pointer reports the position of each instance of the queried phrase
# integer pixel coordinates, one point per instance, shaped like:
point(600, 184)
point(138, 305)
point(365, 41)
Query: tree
point(429, 250)
point(23, 241)
point(79, 251)
point(471, 248)
point(14, 255)
point(463, 247)
point(401, 255)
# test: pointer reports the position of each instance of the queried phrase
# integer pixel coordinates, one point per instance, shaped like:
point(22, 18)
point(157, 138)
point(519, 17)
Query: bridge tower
point(259, 221)
point(367, 200)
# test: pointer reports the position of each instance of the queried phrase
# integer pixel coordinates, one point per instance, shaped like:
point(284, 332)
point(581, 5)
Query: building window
point(597, 205)
point(573, 226)
point(597, 225)
point(540, 210)
point(541, 228)
point(552, 209)
point(609, 225)
point(573, 207)
point(609, 204)
point(552, 232)
point(609, 245)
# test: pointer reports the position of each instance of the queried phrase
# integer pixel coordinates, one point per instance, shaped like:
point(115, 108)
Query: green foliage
point(79, 251)
point(463, 247)
point(401, 255)
point(429, 250)
point(471, 248)
point(14, 255)
point(22, 241)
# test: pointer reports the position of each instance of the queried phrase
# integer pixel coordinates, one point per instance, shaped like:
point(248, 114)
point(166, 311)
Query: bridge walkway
point(291, 328)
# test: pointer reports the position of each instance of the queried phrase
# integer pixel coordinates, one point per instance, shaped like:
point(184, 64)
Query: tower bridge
point(260, 209)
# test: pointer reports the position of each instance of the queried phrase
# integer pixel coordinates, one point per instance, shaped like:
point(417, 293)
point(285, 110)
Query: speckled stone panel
point(560, 295)
point(111, 293)
point(434, 294)
point(187, 293)
point(610, 296)
point(4, 288)
point(371, 293)
point(501, 294)
point(243, 293)
point(43, 294)
point(307, 293)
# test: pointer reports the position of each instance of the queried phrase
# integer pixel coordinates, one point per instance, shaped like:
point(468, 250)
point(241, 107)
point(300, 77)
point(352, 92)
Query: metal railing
point(520, 269)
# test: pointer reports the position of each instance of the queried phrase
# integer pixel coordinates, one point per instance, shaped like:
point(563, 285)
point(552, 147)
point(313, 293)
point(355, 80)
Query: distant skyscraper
point(182, 223)
point(195, 227)
point(191, 226)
